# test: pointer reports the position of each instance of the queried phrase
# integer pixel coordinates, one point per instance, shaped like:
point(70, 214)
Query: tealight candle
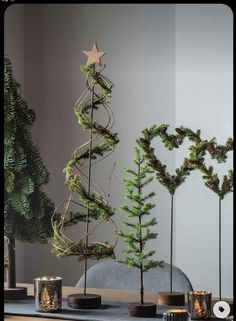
point(176, 315)
point(48, 293)
point(199, 303)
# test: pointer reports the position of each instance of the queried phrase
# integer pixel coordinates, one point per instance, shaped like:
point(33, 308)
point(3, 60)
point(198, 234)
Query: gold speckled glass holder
point(199, 303)
point(48, 293)
point(176, 315)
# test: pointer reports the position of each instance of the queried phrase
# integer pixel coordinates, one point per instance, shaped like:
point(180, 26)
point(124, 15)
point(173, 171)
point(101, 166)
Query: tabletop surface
point(107, 295)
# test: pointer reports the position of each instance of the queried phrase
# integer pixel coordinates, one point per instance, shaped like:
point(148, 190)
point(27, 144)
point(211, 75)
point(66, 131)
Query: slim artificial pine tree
point(136, 254)
point(27, 209)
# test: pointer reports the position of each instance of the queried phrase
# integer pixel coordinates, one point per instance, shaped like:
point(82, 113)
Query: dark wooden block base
point(147, 310)
point(230, 302)
point(81, 301)
point(15, 293)
point(171, 298)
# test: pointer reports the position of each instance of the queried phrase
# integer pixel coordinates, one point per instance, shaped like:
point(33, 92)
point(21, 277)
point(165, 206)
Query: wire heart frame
point(195, 160)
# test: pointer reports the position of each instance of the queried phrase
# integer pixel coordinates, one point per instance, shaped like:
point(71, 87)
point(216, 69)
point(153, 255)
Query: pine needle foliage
point(171, 141)
point(139, 228)
point(27, 209)
point(104, 141)
point(219, 153)
point(195, 159)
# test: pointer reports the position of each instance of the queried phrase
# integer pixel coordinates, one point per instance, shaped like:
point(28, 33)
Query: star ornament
point(94, 56)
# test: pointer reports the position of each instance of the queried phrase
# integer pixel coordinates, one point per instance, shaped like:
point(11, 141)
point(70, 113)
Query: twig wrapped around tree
point(94, 199)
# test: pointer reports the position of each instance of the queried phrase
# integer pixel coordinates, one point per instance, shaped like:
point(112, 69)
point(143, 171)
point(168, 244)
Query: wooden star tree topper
point(94, 56)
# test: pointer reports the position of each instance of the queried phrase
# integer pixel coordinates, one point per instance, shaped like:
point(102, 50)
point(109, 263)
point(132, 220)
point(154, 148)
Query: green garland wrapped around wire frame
point(212, 181)
point(170, 182)
point(195, 161)
point(92, 198)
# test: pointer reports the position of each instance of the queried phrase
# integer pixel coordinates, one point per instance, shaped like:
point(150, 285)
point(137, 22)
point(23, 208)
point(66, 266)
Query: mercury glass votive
point(176, 315)
point(199, 303)
point(48, 293)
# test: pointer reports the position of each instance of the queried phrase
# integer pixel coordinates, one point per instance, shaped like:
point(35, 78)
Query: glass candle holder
point(176, 315)
point(48, 293)
point(199, 303)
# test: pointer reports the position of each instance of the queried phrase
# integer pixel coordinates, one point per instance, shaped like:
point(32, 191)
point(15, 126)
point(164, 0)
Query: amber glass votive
point(176, 315)
point(199, 303)
point(48, 293)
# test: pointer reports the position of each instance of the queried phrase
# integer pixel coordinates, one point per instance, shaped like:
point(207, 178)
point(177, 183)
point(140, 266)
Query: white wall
point(147, 52)
point(204, 99)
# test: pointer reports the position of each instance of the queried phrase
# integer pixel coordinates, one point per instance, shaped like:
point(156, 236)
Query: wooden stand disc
point(230, 303)
point(18, 293)
point(147, 310)
point(171, 298)
point(81, 301)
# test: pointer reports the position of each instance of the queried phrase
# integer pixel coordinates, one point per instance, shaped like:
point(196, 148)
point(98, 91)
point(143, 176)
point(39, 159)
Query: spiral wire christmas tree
point(93, 199)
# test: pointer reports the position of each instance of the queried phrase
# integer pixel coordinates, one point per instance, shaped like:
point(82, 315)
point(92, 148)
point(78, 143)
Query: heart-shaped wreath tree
point(211, 179)
point(195, 160)
point(101, 143)
point(170, 182)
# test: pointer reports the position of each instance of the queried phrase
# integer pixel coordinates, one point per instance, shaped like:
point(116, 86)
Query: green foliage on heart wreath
point(218, 152)
point(104, 141)
point(195, 160)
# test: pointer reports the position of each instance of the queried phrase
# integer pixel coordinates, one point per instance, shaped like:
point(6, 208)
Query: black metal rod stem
point(220, 249)
point(171, 240)
point(89, 188)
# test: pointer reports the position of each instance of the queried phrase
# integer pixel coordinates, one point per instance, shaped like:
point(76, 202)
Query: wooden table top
point(107, 295)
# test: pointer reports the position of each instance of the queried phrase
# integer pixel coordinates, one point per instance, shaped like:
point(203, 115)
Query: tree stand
point(11, 292)
point(136, 309)
point(171, 298)
point(81, 301)
point(18, 293)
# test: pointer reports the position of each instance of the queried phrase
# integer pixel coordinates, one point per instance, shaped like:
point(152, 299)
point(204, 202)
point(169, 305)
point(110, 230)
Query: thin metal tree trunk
point(11, 271)
point(140, 248)
point(89, 187)
point(219, 248)
point(171, 241)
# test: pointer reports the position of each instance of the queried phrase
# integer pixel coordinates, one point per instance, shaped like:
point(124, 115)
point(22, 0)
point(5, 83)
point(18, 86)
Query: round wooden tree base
point(171, 298)
point(230, 303)
point(15, 293)
point(147, 310)
point(81, 301)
